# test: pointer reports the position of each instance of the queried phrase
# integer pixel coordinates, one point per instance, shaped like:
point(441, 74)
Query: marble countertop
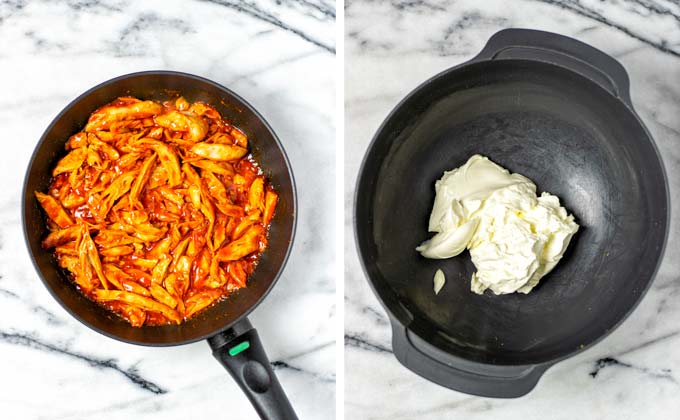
point(280, 56)
point(391, 47)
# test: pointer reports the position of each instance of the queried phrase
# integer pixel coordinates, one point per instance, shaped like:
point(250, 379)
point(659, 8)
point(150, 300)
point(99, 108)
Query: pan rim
point(248, 107)
point(401, 318)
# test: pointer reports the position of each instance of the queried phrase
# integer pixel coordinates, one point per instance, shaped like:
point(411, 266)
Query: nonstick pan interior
point(262, 143)
point(573, 139)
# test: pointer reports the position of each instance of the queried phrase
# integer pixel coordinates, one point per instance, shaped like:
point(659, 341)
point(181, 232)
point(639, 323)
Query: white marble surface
point(391, 47)
point(280, 57)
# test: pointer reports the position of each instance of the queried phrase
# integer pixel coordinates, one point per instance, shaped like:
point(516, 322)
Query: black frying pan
point(553, 109)
point(224, 325)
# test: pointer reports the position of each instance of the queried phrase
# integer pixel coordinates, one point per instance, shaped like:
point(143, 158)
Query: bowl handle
point(240, 351)
point(562, 51)
point(460, 374)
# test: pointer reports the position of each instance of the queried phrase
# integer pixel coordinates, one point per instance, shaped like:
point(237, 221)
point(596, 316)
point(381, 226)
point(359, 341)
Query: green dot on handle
point(239, 348)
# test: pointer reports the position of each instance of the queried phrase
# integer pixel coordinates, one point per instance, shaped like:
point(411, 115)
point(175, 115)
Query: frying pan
point(553, 109)
point(234, 342)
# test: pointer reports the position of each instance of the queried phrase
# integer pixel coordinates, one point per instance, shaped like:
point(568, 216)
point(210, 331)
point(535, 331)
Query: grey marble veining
point(280, 57)
point(392, 47)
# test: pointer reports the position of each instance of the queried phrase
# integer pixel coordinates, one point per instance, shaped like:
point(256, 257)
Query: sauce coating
point(158, 210)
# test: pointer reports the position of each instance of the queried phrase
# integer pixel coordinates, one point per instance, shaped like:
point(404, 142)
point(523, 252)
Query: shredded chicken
point(157, 210)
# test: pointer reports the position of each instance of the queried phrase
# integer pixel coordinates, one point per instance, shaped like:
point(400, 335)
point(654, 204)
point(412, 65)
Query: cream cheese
point(514, 237)
point(438, 280)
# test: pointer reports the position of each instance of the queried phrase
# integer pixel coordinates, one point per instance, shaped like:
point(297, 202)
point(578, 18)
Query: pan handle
point(460, 374)
point(240, 351)
point(562, 51)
